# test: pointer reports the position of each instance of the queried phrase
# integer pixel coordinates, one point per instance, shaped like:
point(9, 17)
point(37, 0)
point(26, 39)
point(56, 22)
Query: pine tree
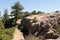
point(5, 16)
point(0, 15)
point(16, 9)
point(34, 12)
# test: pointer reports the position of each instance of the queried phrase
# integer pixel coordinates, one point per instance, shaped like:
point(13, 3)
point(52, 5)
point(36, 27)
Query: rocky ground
point(42, 25)
point(19, 36)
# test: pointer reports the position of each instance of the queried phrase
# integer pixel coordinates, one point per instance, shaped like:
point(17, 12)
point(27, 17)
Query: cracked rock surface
point(45, 26)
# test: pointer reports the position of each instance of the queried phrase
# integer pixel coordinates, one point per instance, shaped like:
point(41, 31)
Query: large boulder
point(44, 26)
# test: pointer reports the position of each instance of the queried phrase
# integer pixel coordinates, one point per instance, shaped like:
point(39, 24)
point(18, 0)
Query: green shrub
point(58, 29)
point(1, 29)
point(35, 20)
point(9, 23)
point(9, 31)
point(1, 25)
point(7, 34)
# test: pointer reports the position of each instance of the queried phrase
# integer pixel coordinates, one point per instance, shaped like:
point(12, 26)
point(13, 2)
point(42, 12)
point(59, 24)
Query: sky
point(30, 5)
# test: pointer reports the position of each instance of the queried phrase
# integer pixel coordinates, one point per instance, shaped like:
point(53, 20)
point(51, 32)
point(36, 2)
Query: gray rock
point(45, 26)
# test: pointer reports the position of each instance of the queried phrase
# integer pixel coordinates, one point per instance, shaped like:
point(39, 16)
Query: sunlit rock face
point(44, 27)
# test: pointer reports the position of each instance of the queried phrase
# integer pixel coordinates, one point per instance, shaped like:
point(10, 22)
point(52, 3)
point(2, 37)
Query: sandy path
point(18, 35)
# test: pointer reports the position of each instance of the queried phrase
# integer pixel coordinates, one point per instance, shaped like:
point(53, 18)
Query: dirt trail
point(18, 35)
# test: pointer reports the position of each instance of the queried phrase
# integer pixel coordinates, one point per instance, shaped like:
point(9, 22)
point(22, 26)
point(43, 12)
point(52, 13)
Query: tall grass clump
point(31, 37)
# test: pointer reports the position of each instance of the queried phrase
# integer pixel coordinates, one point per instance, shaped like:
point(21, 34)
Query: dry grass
point(31, 37)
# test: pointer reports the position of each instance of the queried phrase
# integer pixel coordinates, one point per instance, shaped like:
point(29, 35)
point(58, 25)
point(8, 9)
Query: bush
point(56, 11)
point(1, 29)
point(9, 23)
point(58, 29)
point(6, 34)
point(40, 12)
point(1, 25)
point(35, 20)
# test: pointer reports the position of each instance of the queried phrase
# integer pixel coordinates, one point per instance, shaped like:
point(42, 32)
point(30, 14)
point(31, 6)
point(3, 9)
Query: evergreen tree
point(5, 16)
point(34, 12)
point(27, 13)
point(40, 12)
point(16, 9)
point(0, 15)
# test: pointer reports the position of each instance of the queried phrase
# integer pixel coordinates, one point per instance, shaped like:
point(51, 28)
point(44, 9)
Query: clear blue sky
point(30, 5)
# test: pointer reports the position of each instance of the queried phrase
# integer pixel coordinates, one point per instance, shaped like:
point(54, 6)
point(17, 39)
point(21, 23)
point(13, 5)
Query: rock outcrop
point(44, 27)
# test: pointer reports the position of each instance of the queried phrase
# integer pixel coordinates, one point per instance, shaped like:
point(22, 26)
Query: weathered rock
point(45, 26)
